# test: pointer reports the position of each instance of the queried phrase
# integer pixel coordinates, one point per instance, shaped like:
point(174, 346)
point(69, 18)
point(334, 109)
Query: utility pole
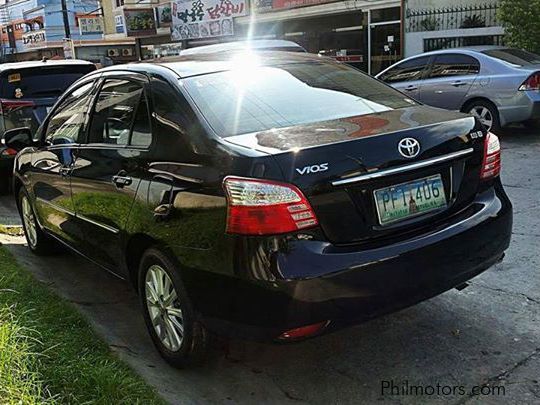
point(65, 15)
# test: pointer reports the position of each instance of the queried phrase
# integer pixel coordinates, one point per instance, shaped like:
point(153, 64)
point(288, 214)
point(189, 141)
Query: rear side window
point(449, 65)
point(42, 82)
point(406, 71)
point(260, 98)
point(120, 112)
point(517, 57)
point(67, 122)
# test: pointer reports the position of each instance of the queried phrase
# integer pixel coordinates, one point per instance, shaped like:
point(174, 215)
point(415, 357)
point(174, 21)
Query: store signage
point(164, 15)
point(119, 24)
point(140, 22)
point(205, 18)
point(15, 30)
point(34, 39)
point(89, 24)
point(272, 5)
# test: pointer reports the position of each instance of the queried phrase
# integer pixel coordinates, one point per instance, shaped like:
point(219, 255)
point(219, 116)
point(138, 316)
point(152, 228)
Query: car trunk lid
point(339, 165)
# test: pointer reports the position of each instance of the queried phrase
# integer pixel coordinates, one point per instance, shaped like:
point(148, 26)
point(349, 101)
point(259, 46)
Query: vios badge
point(322, 167)
point(409, 147)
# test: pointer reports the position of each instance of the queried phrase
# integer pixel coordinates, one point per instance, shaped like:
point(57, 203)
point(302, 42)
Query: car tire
point(486, 112)
point(38, 242)
point(173, 324)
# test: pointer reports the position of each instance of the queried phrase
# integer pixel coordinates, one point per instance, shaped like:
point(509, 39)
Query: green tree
point(521, 20)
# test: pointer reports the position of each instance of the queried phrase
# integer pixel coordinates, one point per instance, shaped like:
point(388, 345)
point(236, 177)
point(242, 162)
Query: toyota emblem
point(409, 147)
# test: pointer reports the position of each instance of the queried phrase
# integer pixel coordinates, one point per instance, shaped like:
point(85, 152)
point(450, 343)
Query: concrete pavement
point(485, 335)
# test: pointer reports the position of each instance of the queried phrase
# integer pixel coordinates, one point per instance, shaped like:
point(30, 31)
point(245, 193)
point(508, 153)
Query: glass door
point(385, 46)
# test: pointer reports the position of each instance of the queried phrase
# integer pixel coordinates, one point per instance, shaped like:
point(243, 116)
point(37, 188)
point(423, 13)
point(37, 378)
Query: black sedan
point(272, 196)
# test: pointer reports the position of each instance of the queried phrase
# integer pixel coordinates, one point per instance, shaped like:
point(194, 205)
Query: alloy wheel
point(29, 222)
point(484, 115)
point(163, 308)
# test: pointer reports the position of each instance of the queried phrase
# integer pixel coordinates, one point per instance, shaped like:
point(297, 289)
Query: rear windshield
point(261, 98)
point(40, 82)
point(514, 56)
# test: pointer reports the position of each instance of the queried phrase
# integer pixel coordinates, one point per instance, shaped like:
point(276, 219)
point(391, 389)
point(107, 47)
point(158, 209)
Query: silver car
point(497, 84)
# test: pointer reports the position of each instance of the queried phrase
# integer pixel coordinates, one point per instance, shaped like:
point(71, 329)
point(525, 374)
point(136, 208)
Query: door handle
point(458, 83)
point(121, 180)
point(411, 88)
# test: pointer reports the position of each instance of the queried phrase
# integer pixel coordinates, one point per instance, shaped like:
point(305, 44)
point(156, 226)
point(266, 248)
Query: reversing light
point(263, 207)
point(491, 164)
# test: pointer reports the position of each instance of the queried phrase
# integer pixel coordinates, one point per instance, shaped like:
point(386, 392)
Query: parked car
point(27, 91)
point(274, 200)
point(255, 44)
point(499, 85)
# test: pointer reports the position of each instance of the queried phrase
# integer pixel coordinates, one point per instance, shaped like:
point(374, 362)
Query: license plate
point(410, 199)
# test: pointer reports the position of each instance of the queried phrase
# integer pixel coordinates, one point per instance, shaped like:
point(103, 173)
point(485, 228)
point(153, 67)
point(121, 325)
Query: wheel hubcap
point(484, 115)
point(163, 307)
point(29, 222)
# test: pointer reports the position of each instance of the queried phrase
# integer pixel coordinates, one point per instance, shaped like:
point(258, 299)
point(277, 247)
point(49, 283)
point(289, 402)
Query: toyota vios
point(272, 196)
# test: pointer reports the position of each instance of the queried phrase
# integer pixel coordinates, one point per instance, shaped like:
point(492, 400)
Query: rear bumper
point(349, 286)
point(526, 106)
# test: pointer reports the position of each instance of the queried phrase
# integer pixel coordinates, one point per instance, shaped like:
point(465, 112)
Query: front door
point(107, 171)
point(449, 80)
point(53, 162)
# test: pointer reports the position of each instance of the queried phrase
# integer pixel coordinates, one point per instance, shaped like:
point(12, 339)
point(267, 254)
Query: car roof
point(464, 50)
point(193, 65)
point(241, 45)
point(34, 64)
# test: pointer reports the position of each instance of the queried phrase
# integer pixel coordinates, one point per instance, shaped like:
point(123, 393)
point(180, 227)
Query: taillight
point(532, 83)
point(491, 164)
point(9, 152)
point(263, 207)
point(8, 105)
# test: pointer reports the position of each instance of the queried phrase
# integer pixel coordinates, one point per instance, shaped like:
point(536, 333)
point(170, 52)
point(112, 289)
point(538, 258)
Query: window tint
point(67, 123)
point(260, 98)
point(514, 56)
point(38, 82)
point(406, 71)
point(115, 112)
point(454, 65)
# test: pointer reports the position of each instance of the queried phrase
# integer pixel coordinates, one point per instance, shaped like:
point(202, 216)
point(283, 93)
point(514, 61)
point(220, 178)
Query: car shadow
point(456, 338)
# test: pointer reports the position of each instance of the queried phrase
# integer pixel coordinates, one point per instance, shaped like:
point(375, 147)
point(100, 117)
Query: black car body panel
point(111, 202)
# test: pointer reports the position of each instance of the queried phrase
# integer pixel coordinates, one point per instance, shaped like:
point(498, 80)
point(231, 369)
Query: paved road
point(487, 334)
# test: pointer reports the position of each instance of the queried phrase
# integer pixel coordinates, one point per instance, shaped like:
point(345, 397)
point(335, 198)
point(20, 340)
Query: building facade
point(439, 24)
point(34, 29)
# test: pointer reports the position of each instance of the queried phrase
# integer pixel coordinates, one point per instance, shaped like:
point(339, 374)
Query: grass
point(49, 353)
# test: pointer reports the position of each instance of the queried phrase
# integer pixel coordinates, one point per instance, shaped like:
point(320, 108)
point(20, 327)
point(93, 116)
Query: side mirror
point(18, 138)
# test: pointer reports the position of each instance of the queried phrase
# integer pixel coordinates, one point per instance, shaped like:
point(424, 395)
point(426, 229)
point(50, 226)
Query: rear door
point(407, 76)
point(109, 164)
point(449, 80)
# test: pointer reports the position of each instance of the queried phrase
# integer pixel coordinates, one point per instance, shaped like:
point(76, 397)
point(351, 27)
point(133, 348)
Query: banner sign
point(34, 39)
point(205, 18)
point(164, 15)
point(273, 5)
point(140, 22)
point(119, 24)
point(89, 24)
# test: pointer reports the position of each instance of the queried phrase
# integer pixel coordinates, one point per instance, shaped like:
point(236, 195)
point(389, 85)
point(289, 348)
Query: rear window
point(256, 99)
point(514, 56)
point(40, 82)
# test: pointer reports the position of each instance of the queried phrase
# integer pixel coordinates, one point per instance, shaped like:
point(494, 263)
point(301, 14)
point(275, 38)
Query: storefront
point(366, 34)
